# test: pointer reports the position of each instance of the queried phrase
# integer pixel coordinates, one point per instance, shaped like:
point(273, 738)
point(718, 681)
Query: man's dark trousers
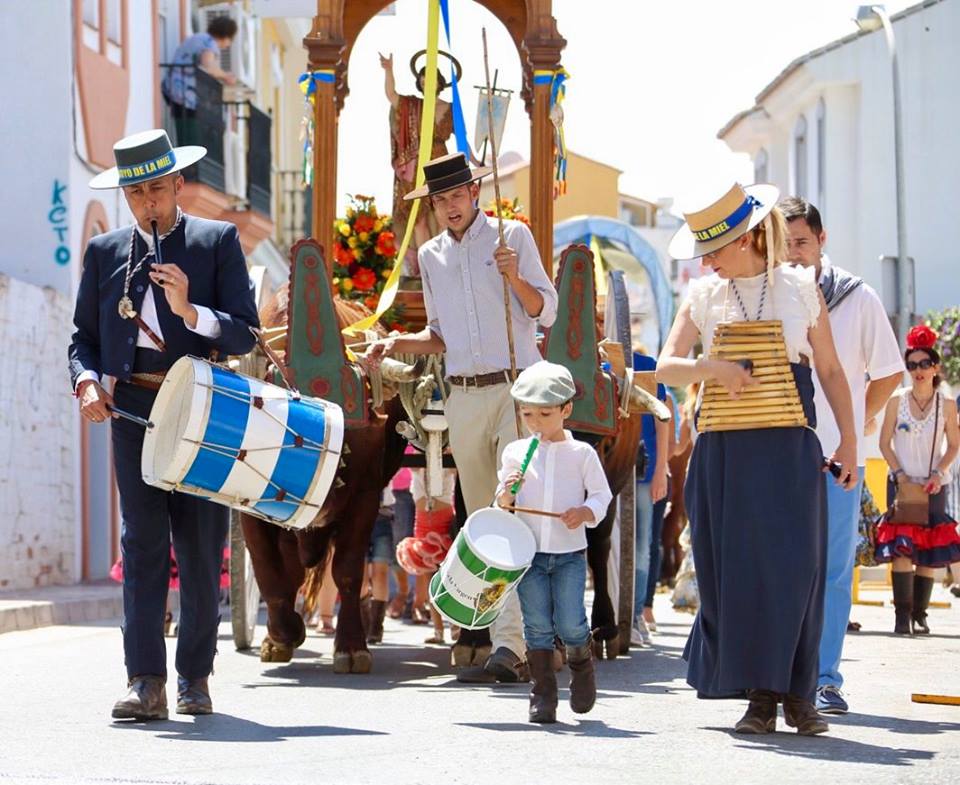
point(150, 515)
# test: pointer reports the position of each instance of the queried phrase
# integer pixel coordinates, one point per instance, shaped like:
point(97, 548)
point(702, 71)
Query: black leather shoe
point(506, 667)
point(146, 699)
point(193, 696)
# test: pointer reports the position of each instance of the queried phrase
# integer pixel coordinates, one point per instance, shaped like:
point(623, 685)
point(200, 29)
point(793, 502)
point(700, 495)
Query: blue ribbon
point(721, 228)
point(459, 126)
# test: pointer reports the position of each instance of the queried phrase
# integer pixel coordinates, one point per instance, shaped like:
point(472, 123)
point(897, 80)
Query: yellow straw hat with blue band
point(731, 216)
point(146, 156)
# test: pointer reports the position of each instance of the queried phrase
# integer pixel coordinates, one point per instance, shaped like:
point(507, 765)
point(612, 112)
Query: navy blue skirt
point(758, 522)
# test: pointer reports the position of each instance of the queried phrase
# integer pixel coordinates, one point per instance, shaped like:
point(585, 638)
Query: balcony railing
point(235, 133)
point(293, 209)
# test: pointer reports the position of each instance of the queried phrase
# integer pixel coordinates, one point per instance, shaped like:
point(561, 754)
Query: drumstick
point(534, 443)
point(531, 511)
point(128, 416)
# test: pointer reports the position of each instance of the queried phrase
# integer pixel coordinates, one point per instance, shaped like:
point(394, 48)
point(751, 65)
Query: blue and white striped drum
point(242, 442)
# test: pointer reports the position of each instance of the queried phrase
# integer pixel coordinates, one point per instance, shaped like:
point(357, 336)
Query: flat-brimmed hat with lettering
point(721, 222)
point(544, 384)
point(146, 156)
point(445, 174)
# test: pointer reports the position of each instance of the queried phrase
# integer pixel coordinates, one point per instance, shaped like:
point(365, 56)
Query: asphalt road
point(411, 722)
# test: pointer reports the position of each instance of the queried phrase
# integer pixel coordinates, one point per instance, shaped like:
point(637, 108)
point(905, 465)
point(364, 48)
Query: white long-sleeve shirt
point(561, 475)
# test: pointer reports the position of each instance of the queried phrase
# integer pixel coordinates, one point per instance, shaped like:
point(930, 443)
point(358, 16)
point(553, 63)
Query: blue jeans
point(648, 552)
point(843, 517)
point(551, 600)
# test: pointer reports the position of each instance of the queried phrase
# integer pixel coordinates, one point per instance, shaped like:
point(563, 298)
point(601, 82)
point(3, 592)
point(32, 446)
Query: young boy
point(564, 476)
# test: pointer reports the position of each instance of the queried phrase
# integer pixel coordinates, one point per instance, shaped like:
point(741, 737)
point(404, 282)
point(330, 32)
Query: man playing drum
point(134, 318)
point(462, 271)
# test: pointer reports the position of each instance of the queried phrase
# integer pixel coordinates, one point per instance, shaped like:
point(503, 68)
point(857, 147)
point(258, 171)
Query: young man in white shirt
point(564, 477)
point(462, 269)
point(866, 347)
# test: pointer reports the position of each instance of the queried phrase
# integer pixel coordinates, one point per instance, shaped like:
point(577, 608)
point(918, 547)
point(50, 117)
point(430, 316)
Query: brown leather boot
point(761, 713)
point(922, 589)
point(902, 601)
point(378, 609)
point(543, 691)
point(146, 699)
point(193, 696)
point(583, 683)
point(801, 714)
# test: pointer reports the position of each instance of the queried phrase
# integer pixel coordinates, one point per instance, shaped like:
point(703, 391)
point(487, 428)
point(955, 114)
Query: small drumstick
point(943, 700)
point(132, 417)
point(533, 512)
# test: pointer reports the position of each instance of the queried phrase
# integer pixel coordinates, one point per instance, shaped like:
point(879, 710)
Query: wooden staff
point(503, 243)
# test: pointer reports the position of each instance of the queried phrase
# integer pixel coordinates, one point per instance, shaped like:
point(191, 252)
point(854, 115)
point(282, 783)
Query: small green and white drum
point(486, 561)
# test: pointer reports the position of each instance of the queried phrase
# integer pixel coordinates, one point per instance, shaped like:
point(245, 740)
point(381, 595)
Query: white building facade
point(823, 129)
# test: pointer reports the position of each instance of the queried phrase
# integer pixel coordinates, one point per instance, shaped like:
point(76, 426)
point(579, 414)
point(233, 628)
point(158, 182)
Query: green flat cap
point(544, 384)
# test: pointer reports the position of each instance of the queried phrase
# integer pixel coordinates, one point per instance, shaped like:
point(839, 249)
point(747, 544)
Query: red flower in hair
point(921, 337)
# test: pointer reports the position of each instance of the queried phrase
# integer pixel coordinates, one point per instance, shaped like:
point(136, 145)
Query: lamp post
point(869, 19)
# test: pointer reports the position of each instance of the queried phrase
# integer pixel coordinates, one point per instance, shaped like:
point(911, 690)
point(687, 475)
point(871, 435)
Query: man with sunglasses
point(867, 348)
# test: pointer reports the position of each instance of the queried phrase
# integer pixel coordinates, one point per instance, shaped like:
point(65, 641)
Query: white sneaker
point(639, 634)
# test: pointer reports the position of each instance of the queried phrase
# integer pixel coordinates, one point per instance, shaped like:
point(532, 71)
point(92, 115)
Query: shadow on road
point(227, 728)
point(897, 724)
point(593, 728)
point(828, 748)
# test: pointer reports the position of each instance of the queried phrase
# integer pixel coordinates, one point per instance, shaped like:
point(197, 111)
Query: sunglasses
point(923, 365)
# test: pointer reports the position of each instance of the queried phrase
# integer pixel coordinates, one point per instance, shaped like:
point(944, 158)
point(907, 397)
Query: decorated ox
point(316, 363)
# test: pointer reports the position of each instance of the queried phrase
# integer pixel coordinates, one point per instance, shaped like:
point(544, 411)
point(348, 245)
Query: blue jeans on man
point(551, 600)
point(843, 518)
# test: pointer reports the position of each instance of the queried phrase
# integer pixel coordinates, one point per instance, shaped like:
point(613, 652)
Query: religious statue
point(405, 114)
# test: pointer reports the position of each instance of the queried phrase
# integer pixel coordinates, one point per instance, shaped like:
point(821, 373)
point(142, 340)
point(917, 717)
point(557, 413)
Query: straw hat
point(146, 156)
point(720, 223)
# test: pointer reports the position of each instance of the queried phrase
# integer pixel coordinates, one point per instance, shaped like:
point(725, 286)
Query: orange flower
point(342, 255)
point(364, 279)
point(385, 244)
point(364, 223)
point(371, 302)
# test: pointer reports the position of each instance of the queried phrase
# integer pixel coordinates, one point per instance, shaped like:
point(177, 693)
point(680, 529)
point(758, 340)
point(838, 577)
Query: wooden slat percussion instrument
point(772, 401)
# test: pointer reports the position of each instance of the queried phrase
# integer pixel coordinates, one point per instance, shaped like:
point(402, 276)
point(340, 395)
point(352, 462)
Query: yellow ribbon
point(599, 278)
point(426, 147)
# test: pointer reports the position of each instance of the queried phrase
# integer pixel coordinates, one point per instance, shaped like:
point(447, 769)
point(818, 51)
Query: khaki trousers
point(482, 423)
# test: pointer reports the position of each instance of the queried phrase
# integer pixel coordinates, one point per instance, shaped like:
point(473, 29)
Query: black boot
point(378, 609)
point(543, 690)
point(902, 601)
point(583, 684)
point(922, 589)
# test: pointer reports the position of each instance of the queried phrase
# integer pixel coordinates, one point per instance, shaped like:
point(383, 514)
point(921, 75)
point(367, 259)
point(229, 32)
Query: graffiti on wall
point(58, 223)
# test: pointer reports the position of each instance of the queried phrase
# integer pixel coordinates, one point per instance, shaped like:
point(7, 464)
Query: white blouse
point(561, 475)
point(913, 440)
point(793, 299)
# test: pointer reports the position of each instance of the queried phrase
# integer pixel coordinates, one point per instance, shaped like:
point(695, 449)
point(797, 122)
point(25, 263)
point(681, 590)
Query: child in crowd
point(564, 477)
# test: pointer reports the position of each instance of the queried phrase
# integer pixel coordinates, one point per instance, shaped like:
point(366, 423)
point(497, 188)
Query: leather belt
point(483, 380)
point(150, 381)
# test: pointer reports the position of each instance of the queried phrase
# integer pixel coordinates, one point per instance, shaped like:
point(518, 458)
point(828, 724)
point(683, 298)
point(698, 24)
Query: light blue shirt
point(180, 84)
point(463, 297)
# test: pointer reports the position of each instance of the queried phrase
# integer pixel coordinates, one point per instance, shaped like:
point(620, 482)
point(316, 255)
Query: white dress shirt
point(561, 475)
point(866, 347)
point(207, 323)
point(463, 297)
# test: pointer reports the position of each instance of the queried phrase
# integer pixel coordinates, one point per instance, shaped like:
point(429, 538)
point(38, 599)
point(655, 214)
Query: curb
point(79, 604)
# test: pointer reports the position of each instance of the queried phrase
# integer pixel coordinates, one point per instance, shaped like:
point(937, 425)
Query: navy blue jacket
point(210, 255)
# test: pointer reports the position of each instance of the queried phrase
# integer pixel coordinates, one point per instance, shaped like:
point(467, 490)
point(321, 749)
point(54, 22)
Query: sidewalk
point(28, 609)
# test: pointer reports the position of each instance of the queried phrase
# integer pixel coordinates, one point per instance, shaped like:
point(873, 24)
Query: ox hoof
point(464, 655)
point(612, 647)
point(357, 662)
point(272, 651)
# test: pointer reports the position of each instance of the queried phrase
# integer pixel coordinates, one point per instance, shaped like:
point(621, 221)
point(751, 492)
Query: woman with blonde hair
point(755, 496)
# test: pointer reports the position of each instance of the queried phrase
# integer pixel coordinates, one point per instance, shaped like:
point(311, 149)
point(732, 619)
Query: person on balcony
point(179, 86)
point(134, 318)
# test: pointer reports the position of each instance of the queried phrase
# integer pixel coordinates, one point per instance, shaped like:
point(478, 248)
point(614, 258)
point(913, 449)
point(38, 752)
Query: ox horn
point(642, 401)
point(396, 371)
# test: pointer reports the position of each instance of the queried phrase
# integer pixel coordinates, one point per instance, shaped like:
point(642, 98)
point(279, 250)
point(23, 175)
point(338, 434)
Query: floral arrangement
point(510, 208)
point(364, 253)
point(947, 324)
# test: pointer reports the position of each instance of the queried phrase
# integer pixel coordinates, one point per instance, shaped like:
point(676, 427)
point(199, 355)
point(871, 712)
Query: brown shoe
point(583, 682)
point(543, 690)
point(193, 696)
point(507, 668)
point(146, 699)
point(801, 714)
point(761, 713)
